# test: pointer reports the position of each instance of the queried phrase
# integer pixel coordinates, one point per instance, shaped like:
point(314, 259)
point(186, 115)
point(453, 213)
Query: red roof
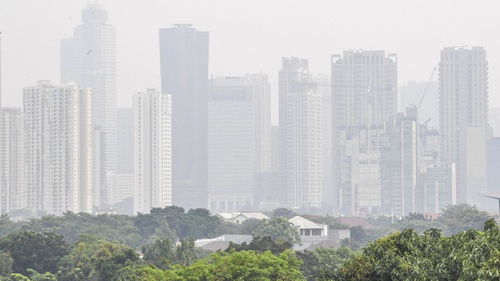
point(355, 221)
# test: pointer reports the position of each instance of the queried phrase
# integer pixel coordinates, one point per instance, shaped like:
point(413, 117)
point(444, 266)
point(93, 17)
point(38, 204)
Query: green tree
point(111, 257)
point(284, 212)
point(261, 245)
point(279, 229)
point(461, 217)
point(161, 253)
point(39, 251)
point(244, 265)
point(6, 262)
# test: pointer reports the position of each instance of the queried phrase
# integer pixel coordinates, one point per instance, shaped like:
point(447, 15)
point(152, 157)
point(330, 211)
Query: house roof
point(323, 244)
point(304, 223)
point(355, 221)
point(216, 245)
point(228, 216)
point(253, 215)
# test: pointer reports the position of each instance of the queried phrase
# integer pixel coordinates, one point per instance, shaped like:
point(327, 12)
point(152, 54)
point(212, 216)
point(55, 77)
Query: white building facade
point(58, 148)
point(89, 59)
point(464, 128)
point(300, 136)
point(152, 151)
point(13, 194)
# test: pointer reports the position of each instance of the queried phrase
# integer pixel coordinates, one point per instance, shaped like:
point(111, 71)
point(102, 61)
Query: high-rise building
point(184, 75)
point(231, 144)
point(125, 141)
point(58, 170)
point(493, 176)
point(464, 129)
point(399, 164)
point(300, 136)
point(261, 92)
point(13, 194)
point(323, 87)
point(89, 59)
point(364, 96)
point(153, 151)
point(239, 132)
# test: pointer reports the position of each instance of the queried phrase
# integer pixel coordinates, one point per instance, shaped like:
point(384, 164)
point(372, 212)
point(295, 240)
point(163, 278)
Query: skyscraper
point(184, 75)
point(89, 59)
point(58, 170)
point(238, 139)
point(125, 141)
point(464, 129)
point(153, 151)
point(364, 96)
point(300, 136)
point(13, 193)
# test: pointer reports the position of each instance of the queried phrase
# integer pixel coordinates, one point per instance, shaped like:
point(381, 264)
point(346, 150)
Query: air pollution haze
point(338, 107)
point(249, 36)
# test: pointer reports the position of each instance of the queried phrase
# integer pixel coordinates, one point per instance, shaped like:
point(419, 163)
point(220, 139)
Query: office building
point(184, 75)
point(364, 97)
point(152, 151)
point(58, 170)
point(300, 136)
point(464, 129)
point(232, 144)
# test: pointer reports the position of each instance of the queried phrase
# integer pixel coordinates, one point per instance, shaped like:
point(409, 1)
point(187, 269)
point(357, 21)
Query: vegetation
point(462, 244)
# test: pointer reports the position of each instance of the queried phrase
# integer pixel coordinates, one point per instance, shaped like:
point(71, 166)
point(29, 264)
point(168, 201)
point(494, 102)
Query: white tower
point(153, 150)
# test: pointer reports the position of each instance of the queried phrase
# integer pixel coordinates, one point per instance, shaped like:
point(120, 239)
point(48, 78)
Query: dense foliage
point(459, 245)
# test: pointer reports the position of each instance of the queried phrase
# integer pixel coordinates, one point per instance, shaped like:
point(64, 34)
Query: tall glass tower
point(184, 75)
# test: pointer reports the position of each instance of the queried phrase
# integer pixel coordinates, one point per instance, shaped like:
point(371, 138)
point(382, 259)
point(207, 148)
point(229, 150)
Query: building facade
point(364, 96)
point(184, 75)
point(463, 124)
point(58, 159)
point(89, 59)
point(152, 151)
point(13, 193)
point(300, 136)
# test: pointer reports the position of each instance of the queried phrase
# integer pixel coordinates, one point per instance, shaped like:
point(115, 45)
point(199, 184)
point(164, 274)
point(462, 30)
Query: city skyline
point(205, 142)
point(316, 40)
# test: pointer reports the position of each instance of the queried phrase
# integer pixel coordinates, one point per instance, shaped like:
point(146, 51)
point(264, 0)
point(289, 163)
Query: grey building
point(300, 136)
point(184, 75)
point(464, 129)
point(364, 96)
point(125, 140)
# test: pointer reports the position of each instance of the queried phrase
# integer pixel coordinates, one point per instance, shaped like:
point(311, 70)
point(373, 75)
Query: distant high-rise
point(12, 165)
point(323, 87)
point(364, 96)
point(464, 129)
point(184, 75)
point(125, 141)
point(239, 140)
point(58, 170)
point(153, 151)
point(399, 161)
point(300, 136)
point(89, 59)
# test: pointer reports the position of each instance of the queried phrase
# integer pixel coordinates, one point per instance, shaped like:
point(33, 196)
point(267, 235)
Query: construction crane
point(425, 90)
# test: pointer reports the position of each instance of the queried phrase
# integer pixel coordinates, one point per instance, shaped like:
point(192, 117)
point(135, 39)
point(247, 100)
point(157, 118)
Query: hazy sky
point(249, 36)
